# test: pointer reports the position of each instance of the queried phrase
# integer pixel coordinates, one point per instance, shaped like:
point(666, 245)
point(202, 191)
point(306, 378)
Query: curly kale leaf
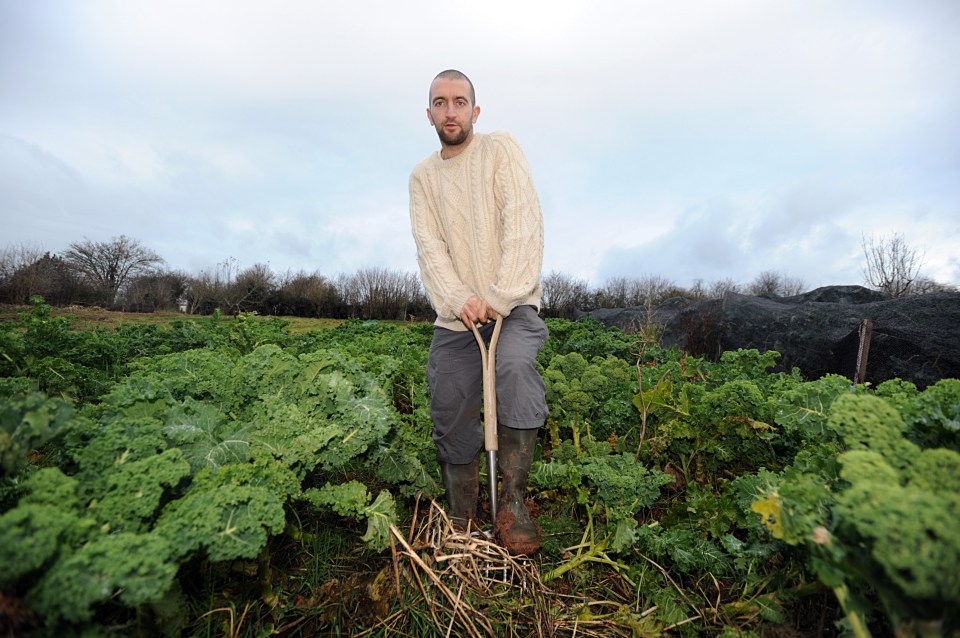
point(226, 522)
point(556, 475)
point(730, 404)
point(933, 417)
point(98, 447)
point(346, 499)
point(380, 515)
point(913, 533)
point(597, 393)
point(205, 435)
point(264, 471)
point(936, 470)
point(330, 428)
point(793, 505)
point(28, 422)
point(134, 490)
point(882, 516)
point(353, 499)
point(48, 520)
point(689, 552)
point(745, 365)
point(614, 482)
point(292, 436)
point(50, 486)
point(623, 487)
point(202, 374)
point(622, 483)
point(134, 567)
point(404, 459)
point(803, 410)
point(30, 538)
point(871, 423)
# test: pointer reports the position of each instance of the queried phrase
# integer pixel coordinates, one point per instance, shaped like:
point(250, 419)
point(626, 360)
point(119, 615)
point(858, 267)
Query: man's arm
point(518, 275)
point(448, 294)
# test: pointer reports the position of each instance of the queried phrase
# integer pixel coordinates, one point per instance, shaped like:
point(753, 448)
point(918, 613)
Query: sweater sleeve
point(445, 289)
point(518, 276)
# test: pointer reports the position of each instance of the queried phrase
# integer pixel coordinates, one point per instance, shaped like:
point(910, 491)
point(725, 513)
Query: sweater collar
point(456, 158)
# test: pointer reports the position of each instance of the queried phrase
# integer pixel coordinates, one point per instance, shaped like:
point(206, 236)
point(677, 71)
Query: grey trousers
point(455, 376)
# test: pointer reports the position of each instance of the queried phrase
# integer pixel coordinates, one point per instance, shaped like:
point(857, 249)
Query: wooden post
point(866, 331)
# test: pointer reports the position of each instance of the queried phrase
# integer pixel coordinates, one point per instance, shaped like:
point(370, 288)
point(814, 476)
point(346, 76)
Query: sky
point(689, 140)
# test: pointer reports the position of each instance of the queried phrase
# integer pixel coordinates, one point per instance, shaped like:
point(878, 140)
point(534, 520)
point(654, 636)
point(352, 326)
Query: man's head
point(453, 109)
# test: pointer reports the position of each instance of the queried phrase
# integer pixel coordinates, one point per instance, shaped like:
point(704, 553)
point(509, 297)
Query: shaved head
point(453, 74)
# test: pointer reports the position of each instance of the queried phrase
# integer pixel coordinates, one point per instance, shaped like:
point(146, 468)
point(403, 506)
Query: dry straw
point(455, 575)
point(470, 586)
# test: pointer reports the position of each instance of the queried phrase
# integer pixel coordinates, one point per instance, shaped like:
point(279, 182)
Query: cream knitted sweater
point(478, 228)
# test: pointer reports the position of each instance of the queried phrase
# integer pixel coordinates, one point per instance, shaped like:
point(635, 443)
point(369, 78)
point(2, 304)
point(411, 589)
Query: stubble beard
point(453, 140)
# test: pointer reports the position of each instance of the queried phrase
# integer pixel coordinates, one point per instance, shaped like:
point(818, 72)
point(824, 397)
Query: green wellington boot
point(516, 530)
point(463, 488)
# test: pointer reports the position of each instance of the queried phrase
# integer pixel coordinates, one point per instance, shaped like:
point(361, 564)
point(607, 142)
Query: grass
point(94, 318)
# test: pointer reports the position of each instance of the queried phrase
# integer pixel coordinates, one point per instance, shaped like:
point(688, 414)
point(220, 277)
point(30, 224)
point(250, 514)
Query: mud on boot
point(518, 533)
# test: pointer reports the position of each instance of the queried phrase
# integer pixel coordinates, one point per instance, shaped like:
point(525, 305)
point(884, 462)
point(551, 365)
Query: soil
point(16, 619)
point(515, 544)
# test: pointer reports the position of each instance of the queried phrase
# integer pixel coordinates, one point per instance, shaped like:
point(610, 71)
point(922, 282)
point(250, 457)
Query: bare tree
point(792, 286)
point(892, 266)
point(17, 257)
point(562, 295)
point(621, 292)
point(201, 293)
point(613, 293)
point(158, 290)
point(230, 289)
point(215, 289)
point(926, 286)
point(346, 287)
point(772, 283)
point(251, 288)
point(650, 290)
point(721, 287)
point(15, 281)
point(109, 264)
point(51, 278)
point(698, 290)
point(306, 295)
point(380, 293)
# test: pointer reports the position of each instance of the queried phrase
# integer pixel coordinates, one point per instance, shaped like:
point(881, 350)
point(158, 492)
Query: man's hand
point(476, 311)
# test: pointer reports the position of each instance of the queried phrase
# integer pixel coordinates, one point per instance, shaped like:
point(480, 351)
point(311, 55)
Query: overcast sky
point(691, 140)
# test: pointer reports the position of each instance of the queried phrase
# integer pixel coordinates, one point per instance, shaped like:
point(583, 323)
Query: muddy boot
point(516, 530)
point(463, 488)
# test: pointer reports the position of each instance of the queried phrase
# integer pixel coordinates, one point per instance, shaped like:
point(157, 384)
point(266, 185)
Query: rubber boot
point(463, 488)
point(516, 530)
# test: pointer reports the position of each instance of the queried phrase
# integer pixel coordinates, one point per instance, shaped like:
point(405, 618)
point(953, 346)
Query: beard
point(453, 139)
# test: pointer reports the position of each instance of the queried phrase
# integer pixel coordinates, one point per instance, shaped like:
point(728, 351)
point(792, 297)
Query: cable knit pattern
point(478, 227)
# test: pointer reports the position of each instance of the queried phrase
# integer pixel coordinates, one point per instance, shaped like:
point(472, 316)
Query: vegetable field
point(233, 477)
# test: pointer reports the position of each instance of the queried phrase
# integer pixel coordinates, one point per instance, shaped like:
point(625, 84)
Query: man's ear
point(430, 117)
point(476, 113)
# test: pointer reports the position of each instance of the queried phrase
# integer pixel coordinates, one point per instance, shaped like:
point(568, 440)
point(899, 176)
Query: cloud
point(694, 140)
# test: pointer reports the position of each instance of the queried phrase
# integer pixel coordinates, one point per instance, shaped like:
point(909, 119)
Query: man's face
point(451, 111)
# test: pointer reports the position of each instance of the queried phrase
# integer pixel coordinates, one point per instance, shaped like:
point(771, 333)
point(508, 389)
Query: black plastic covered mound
point(915, 338)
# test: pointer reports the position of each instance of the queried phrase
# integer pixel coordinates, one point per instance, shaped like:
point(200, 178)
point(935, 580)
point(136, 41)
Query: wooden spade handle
point(489, 363)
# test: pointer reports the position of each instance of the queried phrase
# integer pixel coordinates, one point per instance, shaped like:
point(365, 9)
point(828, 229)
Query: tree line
point(123, 274)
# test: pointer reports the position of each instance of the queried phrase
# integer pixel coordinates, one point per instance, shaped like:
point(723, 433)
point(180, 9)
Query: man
point(478, 227)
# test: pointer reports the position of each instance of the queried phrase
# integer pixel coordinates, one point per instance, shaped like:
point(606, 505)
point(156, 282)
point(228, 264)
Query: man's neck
point(449, 152)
